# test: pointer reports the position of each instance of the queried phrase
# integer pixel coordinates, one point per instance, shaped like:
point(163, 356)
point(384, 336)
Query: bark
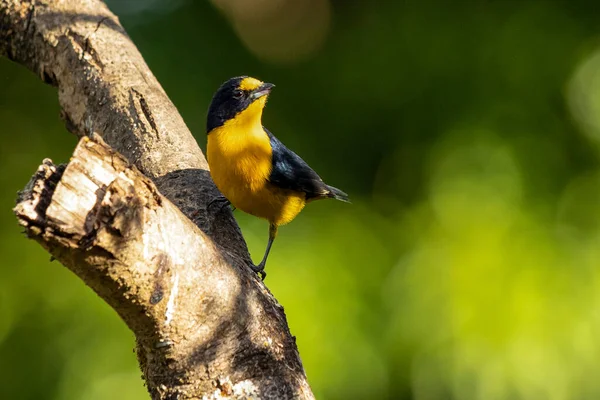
point(137, 227)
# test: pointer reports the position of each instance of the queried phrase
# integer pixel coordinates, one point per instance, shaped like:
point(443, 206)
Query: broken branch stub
point(201, 330)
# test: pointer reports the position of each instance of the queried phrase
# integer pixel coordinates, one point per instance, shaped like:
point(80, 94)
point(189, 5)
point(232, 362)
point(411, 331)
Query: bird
point(255, 172)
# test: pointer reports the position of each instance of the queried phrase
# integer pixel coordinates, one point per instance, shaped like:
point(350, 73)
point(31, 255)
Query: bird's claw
point(260, 270)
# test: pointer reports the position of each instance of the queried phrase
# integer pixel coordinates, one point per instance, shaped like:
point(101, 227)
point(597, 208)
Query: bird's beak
point(261, 91)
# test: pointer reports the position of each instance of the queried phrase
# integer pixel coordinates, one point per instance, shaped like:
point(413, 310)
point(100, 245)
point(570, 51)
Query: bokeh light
point(584, 96)
point(279, 31)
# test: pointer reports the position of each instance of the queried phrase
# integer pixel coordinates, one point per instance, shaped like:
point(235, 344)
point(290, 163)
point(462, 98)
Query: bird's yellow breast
point(240, 160)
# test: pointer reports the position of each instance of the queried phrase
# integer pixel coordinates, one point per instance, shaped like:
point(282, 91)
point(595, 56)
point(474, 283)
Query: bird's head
point(239, 100)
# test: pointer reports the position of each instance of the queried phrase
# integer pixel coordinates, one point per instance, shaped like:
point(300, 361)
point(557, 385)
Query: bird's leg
point(260, 268)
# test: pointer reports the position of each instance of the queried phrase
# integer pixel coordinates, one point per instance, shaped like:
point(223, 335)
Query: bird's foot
point(260, 270)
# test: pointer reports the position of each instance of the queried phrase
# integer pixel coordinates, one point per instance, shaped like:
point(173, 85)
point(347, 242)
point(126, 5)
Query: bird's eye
point(238, 94)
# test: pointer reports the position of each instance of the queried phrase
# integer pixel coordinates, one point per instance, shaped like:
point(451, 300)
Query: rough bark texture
point(205, 326)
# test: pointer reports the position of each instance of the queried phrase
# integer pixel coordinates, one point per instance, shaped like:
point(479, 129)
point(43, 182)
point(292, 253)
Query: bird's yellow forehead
point(250, 84)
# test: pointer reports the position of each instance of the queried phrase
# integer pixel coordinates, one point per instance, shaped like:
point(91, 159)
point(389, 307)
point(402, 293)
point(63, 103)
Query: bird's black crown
point(228, 101)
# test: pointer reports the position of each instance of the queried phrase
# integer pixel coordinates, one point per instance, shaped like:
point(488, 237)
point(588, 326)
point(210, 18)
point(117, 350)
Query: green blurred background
point(468, 136)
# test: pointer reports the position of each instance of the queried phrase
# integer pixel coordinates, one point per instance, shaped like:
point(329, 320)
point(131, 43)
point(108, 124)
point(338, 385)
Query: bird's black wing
point(292, 172)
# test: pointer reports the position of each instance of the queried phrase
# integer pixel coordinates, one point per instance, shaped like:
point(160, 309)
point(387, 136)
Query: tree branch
point(204, 324)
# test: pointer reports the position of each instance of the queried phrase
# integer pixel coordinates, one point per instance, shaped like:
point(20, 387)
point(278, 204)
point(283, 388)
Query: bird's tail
point(337, 194)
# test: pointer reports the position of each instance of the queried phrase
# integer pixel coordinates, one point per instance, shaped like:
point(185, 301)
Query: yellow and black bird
point(250, 166)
